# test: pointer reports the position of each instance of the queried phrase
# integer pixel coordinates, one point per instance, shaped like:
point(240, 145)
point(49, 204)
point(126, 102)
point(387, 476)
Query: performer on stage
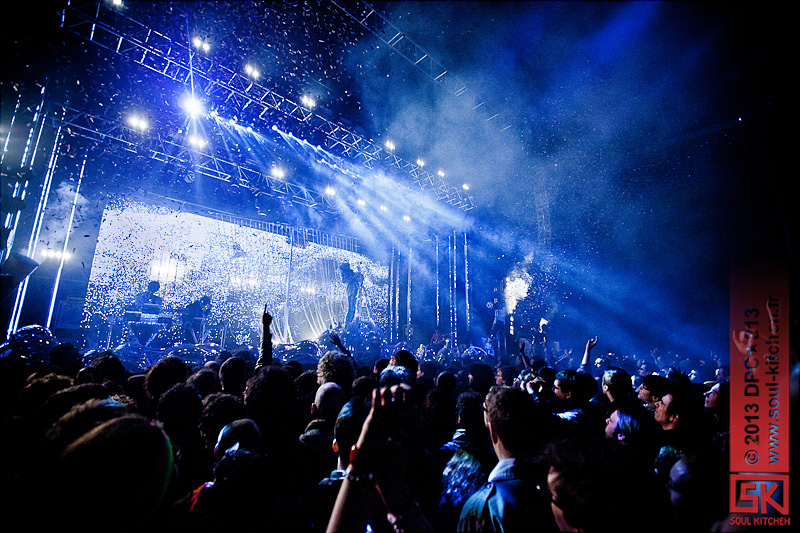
point(149, 298)
point(353, 280)
point(194, 316)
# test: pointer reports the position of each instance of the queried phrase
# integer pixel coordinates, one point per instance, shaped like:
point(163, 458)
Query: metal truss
point(173, 151)
point(391, 35)
point(153, 50)
point(383, 29)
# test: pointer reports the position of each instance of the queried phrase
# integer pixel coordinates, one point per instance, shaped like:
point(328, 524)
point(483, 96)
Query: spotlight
point(441, 173)
point(117, 3)
point(384, 208)
point(465, 186)
point(200, 43)
point(390, 146)
point(138, 123)
point(308, 102)
point(362, 203)
point(277, 172)
point(252, 71)
point(407, 218)
point(197, 142)
point(330, 191)
point(192, 105)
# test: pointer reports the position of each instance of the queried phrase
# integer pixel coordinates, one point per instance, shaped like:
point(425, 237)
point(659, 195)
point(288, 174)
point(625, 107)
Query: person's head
point(67, 358)
point(481, 378)
point(630, 425)
point(107, 366)
point(179, 408)
point(153, 286)
point(693, 504)
point(337, 368)
point(219, 409)
point(118, 472)
point(347, 427)
point(652, 388)
point(427, 369)
point(617, 384)
point(582, 481)
point(469, 412)
point(446, 382)
point(574, 388)
point(394, 375)
point(675, 409)
point(164, 374)
point(272, 401)
point(717, 397)
point(600, 364)
point(233, 375)
point(239, 434)
point(406, 359)
point(328, 401)
point(205, 381)
point(205, 300)
point(505, 375)
point(511, 417)
point(364, 385)
point(380, 364)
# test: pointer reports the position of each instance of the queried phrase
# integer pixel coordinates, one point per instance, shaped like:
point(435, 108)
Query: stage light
point(362, 203)
point(252, 71)
point(138, 123)
point(389, 146)
point(308, 102)
point(384, 208)
point(200, 43)
point(192, 105)
point(441, 173)
point(277, 172)
point(330, 191)
point(117, 3)
point(197, 142)
point(420, 162)
point(465, 186)
point(55, 254)
point(407, 218)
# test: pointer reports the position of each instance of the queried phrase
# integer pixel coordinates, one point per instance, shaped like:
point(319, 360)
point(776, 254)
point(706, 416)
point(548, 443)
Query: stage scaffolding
point(120, 35)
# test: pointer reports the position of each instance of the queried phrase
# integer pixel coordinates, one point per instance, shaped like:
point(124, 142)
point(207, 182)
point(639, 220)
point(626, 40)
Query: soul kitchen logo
point(759, 431)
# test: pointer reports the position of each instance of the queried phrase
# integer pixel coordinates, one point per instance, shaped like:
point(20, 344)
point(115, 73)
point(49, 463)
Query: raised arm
point(265, 350)
point(377, 473)
point(585, 363)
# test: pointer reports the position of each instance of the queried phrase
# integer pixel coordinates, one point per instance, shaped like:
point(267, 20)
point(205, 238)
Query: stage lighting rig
point(252, 71)
point(138, 123)
point(192, 105)
point(308, 102)
point(200, 43)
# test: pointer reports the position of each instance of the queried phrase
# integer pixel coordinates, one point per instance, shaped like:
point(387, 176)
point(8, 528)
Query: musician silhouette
point(194, 316)
point(148, 301)
point(353, 280)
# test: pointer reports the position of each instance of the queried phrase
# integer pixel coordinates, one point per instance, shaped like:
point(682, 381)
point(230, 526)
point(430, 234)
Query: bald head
point(328, 401)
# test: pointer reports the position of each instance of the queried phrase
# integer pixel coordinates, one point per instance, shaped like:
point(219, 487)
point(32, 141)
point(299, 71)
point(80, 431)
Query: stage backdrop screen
point(239, 265)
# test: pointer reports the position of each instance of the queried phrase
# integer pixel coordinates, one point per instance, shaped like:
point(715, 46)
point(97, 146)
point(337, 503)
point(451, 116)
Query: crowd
point(246, 442)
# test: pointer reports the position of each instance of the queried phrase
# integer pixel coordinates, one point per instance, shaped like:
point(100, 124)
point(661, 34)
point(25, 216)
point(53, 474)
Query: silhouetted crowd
point(245, 442)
